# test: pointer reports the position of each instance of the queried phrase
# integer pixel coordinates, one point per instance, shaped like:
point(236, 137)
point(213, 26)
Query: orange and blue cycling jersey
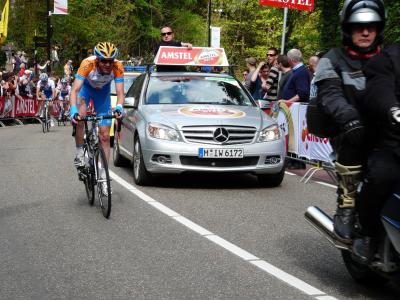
point(89, 72)
point(96, 86)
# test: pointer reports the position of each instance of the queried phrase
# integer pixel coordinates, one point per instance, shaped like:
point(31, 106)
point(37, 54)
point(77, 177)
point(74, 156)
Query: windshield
point(196, 90)
point(128, 80)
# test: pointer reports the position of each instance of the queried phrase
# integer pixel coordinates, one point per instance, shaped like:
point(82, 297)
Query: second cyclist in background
point(45, 91)
point(64, 92)
point(93, 81)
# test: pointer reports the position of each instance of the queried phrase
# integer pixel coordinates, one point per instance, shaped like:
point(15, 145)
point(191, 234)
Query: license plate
point(220, 153)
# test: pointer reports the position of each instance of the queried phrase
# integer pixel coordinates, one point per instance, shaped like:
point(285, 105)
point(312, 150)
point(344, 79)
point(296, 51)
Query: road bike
point(46, 119)
point(94, 173)
point(63, 115)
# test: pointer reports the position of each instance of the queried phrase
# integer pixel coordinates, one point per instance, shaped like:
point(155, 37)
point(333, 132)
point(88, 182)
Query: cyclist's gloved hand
point(74, 113)
point(394, 116)
point(118, 110)
point(354, 132)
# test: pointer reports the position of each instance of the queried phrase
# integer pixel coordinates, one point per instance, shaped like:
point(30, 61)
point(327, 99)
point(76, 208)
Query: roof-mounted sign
point(197, 56)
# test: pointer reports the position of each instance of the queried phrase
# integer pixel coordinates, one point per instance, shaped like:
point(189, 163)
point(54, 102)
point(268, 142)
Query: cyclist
point(64, 91)
point(45, 91)
point(93, 81)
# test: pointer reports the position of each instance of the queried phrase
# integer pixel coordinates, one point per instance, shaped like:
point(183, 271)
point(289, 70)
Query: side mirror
point(263, 104)
point(129, 102)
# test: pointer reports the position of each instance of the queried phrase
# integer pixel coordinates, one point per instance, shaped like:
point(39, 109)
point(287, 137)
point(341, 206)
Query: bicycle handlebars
point(95, 118)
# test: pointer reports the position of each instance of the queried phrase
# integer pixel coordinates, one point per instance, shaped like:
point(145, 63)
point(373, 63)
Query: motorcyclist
point(381, 107)
point(341, 86)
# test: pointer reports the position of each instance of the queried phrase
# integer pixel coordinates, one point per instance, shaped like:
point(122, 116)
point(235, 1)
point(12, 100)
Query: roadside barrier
point(20, 110)
point(301, 145)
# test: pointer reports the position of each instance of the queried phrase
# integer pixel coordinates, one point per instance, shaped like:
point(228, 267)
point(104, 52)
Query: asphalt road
point(191, 237)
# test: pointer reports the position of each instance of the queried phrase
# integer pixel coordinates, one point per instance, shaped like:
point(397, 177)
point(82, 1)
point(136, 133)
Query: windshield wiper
point(200, 102)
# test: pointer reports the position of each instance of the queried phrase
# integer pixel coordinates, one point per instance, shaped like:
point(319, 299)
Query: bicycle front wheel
point(43, 118)
point(89, 179)
point(103, 182)
point(47, 119)
point(43, 125)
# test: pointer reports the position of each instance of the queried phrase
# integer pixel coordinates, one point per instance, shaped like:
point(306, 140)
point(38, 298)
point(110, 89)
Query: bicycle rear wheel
point(103, 182)
point(89, 179)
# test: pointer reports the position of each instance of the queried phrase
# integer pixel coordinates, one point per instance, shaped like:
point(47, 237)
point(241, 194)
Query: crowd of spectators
point(17, 80)
point(283, 78)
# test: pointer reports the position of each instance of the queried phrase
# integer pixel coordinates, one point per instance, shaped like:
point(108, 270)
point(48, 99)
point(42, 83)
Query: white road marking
point(290, 279)
point(245, 255)
point(326, 184)
point(232, 248)
point(289, 173)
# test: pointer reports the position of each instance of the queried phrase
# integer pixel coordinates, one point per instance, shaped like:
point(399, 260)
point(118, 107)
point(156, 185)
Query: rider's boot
point(364, 249)
point(344, 219)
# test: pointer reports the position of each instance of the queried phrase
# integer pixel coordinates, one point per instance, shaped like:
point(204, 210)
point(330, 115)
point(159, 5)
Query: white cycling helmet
point(43, 77)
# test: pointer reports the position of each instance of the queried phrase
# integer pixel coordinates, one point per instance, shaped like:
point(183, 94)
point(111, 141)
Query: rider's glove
point(73, 112)
point(353, 132)
point(118, 110)
point(395, 115)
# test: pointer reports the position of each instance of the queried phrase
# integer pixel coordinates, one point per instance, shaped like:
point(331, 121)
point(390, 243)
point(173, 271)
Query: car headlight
point(269, 134)
point(162, 132)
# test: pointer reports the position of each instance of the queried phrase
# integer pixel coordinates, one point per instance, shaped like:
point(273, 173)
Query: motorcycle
point(386, 263)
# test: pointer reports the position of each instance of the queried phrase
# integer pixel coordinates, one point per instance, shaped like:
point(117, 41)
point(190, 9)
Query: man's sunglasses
point(166, 33)
point(269, 54)
point(106, 61)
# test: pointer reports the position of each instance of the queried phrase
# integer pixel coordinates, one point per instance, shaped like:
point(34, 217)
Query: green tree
point(247, 29)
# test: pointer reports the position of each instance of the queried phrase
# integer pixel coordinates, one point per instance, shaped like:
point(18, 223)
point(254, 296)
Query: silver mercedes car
point(177, 122)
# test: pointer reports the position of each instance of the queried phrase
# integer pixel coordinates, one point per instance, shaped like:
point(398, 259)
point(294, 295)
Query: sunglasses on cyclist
point(166, 33)
point(106, 61)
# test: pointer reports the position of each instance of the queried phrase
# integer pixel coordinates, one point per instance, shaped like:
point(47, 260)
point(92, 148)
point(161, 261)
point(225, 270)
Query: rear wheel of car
point(119, 160)
point(140, 175)
point(271, 180)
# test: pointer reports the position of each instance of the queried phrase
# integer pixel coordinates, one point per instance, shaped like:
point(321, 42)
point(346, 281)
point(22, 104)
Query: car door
point(128, 122)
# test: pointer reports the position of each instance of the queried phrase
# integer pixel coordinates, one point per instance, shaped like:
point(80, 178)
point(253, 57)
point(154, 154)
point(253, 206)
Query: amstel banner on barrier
point(197, 56)
point(293, 124)
point(311, 146)
point(25, 107)
point(6, 107)
point(17, 106)
point(291, 4)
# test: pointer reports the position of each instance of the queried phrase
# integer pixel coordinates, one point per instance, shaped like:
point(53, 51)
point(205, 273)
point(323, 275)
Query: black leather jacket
point(383, 93)
point(341, 85)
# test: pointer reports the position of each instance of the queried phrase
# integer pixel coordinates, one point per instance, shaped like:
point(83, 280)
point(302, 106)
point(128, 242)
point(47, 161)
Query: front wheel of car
point(140, 175)
point(271, 180)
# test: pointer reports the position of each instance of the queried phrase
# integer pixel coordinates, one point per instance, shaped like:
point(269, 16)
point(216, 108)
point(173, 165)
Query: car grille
point(219, 162)
point(206, 134)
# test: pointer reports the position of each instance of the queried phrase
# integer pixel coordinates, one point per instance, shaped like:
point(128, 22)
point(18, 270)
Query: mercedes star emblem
point(221, 135)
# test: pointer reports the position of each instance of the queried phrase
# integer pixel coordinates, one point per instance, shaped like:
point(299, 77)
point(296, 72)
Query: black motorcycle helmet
point(362, 12)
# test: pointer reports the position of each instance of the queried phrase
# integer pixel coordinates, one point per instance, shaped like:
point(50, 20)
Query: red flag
point(291, 4)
